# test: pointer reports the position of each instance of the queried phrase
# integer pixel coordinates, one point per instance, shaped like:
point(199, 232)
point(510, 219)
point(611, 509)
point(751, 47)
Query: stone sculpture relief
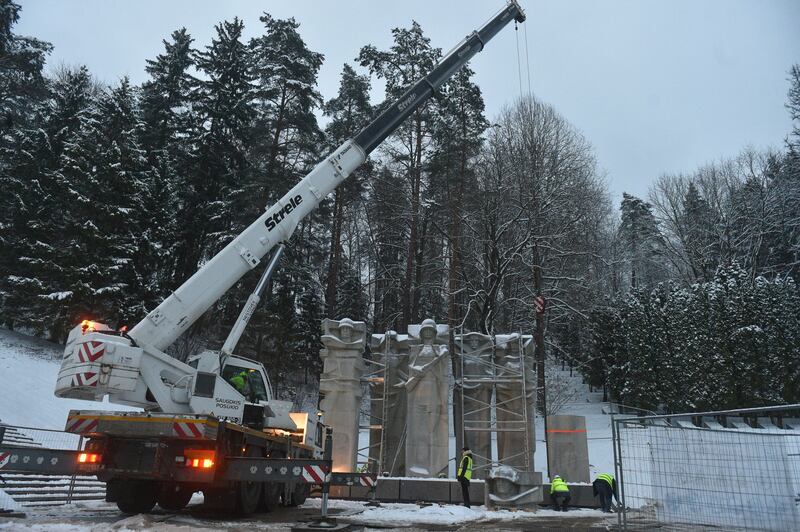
point(390, 349)
point(426, 406)
point(510, 400)
point(477, 351)
point(340, 386)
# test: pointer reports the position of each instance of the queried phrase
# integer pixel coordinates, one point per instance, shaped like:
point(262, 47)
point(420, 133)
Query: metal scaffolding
point(497, 401)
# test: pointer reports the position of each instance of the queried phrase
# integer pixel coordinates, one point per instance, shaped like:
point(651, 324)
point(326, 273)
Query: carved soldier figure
point(515, 408)
point(340, 386)
point(391, 350)
point(426, 406)
point(475, 350)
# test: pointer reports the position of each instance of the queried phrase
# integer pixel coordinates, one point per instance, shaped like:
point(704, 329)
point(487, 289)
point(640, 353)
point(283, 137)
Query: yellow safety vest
point(468, 471)
point(608, 478)
point(558, 485)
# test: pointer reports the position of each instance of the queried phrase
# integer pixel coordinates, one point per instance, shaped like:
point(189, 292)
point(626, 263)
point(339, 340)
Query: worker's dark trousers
point(560, 500)
point(464, 490)
point(604, 493)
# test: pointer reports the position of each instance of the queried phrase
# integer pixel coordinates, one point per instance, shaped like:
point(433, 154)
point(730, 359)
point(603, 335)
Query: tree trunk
point(416, 174)
point(335, 257)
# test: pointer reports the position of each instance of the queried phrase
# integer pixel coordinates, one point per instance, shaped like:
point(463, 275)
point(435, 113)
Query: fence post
point(72, 478)
point(616, 440)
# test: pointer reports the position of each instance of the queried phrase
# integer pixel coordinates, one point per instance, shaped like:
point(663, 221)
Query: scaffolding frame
point(375, 375)
point(493, 374)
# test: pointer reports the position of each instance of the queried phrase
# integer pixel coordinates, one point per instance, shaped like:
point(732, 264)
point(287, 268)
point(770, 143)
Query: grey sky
point(656, 86)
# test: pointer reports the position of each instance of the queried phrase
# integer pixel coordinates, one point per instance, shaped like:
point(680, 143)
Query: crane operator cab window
point(247, 382)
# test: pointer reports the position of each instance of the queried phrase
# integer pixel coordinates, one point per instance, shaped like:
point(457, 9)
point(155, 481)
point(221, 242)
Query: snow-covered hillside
point(28, 372)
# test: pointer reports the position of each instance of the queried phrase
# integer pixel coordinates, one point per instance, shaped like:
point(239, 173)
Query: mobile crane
point(198, 432)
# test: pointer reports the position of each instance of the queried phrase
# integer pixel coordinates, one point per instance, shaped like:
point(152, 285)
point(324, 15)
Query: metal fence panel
point(676, 474)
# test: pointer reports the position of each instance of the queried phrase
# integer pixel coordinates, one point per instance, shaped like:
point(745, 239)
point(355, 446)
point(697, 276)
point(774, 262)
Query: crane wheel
point(136, 496)
point(174, 497)
point(249, 494)
point(273, 491)
point(299, 494)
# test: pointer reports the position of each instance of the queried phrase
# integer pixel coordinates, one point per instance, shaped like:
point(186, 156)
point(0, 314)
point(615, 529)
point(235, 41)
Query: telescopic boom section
point(174, 315)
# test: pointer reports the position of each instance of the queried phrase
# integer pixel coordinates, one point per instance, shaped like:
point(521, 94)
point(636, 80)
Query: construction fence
point(729, 470)
point(44, 489)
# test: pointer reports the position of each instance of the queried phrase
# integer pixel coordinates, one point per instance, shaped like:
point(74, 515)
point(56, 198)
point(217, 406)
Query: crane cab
point(249, 378)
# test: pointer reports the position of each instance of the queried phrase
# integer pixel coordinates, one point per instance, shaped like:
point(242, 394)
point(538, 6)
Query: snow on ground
point(398, 514)
point(28, 372)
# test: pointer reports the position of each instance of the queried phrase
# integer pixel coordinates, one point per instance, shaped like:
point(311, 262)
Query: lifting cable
point(519, 61)
point(527, 60)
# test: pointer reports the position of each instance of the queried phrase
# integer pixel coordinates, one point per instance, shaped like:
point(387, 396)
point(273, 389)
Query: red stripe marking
point(78, 379)
point(179, 430)
point(193, 428)
point(71, 426)
point(313, 474)
point(92, 352)
point(91, 426)
point(80, 352)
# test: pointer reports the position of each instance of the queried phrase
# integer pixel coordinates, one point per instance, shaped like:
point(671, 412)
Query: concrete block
point(424, 490)
point(581, 496)
point(360, 492)
point(388, 489)
point(476, 490)
point(511, 489)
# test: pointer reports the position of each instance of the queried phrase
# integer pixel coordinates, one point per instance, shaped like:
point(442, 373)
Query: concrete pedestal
point(568, 448)
point(340, 387)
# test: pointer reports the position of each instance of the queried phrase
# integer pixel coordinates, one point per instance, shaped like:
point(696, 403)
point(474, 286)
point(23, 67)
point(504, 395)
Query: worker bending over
point(559, 492)
point(604, 486)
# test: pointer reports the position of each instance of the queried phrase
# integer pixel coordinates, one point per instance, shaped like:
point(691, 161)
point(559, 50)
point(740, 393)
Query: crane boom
point(162, 326)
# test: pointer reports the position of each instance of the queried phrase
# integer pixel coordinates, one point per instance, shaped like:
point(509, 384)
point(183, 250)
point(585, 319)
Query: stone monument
point(569, 448)
point(340, 386)
point(391, 351)
point(514, 406)
point(476, 351)
point(427, 439)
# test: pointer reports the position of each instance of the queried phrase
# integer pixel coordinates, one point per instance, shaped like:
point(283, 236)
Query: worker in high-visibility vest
point(239, 382)
point(605, 486)
point(464, 473)
point(559, 492)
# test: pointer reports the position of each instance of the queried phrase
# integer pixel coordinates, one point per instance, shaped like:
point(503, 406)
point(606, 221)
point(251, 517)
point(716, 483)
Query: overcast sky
point(656, 86)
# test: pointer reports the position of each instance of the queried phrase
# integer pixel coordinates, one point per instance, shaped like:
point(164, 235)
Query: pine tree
point(21, 64)
point(219, 166)
point(167, 124)
point(700, 246)
point(104, 172)
point(32, 233)
point(642, 242)
point(410, 57)
point(286, 135)
point(22, 95)
point(350, 110)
